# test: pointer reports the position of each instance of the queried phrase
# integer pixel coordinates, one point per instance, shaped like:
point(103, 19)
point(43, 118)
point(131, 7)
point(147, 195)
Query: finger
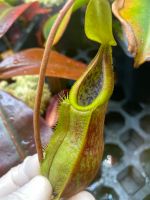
point(82, 196)
point(19, 175)
point(36, 189)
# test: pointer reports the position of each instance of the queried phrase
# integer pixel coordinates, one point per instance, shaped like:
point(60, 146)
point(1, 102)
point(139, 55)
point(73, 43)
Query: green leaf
point(98, 22)
point(63, 26)
point(79, 3)
point(49, 23)
point(135, 20)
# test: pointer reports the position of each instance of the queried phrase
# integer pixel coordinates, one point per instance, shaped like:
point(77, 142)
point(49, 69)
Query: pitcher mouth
point(95, 86)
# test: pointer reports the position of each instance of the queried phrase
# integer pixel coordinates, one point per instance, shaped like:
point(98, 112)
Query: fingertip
point(19, 175)
point(31, 166)
point(82, 196)
point(42, 183)
point(25, 171)
point(38, 188)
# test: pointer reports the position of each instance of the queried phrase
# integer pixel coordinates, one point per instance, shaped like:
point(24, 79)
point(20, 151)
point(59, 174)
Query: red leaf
point(9, 14)
point(28, 63)
point(16, 132)
point(34, 10)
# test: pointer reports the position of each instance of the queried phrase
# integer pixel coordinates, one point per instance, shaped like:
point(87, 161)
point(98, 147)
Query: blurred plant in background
point(24, 88)
point(47, 2)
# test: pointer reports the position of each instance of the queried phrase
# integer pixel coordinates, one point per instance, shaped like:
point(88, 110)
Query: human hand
point(23, 182)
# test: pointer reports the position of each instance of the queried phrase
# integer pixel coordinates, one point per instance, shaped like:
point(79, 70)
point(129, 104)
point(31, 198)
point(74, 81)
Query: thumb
point(84, 195)
point(36, 189)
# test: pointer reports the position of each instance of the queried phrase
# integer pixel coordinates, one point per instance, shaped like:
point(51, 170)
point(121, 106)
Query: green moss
point(24, 88)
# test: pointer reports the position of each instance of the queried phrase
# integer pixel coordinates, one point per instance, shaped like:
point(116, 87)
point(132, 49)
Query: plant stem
point(44, 63)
